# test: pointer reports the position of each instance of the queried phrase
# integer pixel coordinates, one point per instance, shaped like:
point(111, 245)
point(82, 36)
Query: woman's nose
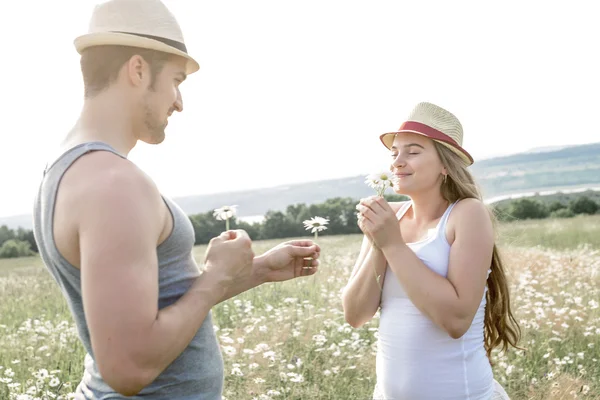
point(398, 161)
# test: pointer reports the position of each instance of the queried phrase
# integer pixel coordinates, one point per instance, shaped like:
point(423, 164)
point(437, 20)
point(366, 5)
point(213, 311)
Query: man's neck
point(104, 119)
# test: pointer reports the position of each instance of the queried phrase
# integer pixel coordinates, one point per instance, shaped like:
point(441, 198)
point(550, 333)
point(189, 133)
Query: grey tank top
point(195, 374)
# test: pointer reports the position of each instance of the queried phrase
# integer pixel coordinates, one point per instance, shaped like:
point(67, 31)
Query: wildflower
point(261, 347)
point(225, 213)
point(585, 389)
point(316, 225)
point(297, 378)
point(270, 355)
point(381, 182)
point(227, 339)
point(229, 350)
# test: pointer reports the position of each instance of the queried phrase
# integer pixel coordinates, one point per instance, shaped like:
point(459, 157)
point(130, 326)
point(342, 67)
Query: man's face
point(160, 100)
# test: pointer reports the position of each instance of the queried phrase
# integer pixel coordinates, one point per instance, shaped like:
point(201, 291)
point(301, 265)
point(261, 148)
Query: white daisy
point(316, 224)
point(381, 181)
point(225, 213)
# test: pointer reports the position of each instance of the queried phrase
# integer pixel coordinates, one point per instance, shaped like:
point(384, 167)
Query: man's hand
point(287, 261)
point(229, 257)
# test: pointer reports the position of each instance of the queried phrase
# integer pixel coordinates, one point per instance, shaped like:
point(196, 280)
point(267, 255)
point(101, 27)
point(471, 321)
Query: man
point(119, 250)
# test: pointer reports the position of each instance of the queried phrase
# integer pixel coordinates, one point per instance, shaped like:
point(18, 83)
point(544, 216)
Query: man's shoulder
point(103, 170)
point(103, 177)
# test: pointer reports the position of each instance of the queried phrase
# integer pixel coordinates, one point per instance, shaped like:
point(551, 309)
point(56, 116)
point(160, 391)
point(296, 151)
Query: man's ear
point(136, 70)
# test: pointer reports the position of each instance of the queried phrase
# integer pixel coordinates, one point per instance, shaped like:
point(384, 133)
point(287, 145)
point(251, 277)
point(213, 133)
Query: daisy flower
point(316, 225)
point(381, 181)
point(224, 213)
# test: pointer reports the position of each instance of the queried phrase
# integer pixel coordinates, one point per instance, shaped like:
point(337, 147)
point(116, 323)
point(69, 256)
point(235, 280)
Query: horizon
point(307, 80)
point(491, 199)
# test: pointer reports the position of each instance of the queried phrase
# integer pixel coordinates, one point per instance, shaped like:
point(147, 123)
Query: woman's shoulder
point(470, 206)
point(472, 214)
point(467, 214)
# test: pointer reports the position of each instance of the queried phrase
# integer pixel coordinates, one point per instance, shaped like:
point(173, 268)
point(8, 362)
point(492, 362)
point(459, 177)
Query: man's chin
point(154, 139)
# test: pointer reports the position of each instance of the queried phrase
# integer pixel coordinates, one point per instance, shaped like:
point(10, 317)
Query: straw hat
point(437, 124)
point(146, 24)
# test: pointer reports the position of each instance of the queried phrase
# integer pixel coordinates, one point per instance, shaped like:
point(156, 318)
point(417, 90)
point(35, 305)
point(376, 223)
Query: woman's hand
point(378, 221)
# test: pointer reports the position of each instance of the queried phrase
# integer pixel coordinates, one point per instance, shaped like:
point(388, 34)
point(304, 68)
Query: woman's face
point(416, 164)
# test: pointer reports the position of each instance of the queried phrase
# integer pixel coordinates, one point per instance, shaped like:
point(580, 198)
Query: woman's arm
point(362, 295)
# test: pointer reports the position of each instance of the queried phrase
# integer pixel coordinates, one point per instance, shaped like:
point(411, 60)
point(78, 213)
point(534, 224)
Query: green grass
point(289, 340)
point(560, 234)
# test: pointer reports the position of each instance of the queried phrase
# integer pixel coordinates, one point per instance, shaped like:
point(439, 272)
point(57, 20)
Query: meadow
point(290, 341)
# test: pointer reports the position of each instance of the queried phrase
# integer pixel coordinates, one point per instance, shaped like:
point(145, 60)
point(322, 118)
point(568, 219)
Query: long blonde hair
point(500, 326)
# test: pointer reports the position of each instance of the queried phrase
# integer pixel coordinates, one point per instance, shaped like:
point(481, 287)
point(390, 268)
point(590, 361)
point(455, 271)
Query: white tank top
point(415, 358)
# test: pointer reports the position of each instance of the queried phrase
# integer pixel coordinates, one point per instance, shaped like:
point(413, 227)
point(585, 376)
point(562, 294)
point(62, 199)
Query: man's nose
point(178, 103)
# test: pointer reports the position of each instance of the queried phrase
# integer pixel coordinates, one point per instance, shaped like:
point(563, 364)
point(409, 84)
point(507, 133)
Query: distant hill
point(564, 197)
point(568, 167)
point(539, 170)
point(544, 149)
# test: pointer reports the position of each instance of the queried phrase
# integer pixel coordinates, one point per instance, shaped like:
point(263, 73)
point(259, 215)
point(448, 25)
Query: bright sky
point(299, 91)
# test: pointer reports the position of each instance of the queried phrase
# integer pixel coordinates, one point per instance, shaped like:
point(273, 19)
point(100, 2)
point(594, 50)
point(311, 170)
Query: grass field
point(289, 340)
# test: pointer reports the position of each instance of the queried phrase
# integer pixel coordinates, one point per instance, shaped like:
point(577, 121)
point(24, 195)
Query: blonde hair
point(500, 326)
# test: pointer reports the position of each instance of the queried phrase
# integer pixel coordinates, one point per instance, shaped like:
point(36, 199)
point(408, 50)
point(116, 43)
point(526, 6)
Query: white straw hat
point(437, 124)
point(145, 24)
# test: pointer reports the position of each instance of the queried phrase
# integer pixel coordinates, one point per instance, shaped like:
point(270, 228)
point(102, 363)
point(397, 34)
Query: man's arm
point(119, 226)
point(280, 263)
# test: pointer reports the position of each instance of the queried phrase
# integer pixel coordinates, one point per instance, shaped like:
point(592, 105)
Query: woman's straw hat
point(146, 24)
point(437, 124)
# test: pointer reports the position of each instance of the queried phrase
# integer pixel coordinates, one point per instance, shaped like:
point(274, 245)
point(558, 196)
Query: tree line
point(341, 212)
point(531, 208)
point(16, 243)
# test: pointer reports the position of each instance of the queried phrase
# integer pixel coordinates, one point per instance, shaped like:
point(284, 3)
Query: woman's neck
point(427, 208)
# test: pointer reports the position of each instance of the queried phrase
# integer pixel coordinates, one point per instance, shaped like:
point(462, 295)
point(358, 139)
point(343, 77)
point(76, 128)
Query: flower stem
point(226, 224)
point(316, 234)
point(377, 278)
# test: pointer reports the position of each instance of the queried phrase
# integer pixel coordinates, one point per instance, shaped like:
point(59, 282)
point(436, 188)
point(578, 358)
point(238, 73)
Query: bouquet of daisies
point(381, 182)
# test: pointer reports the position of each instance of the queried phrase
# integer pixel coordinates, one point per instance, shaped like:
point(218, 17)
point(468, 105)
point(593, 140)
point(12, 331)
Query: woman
point(432, 266)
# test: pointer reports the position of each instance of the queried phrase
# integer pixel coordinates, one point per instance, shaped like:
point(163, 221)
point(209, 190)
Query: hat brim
point(388, 140)
point(123, 39)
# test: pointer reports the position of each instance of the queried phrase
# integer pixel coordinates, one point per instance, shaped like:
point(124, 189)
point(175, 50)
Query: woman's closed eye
point(412, 153)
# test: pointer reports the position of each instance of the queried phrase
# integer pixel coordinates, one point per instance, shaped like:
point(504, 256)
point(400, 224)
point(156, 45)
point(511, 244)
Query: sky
point(299, 91)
